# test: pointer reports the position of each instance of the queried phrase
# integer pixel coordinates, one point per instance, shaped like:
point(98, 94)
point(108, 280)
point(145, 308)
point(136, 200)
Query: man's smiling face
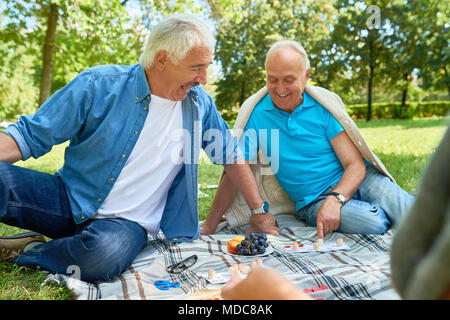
point(188, 72)
point(286, 78)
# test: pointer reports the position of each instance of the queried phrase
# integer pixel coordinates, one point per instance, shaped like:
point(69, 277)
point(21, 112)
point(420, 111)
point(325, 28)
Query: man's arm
point(238, 176)
point(329, 214)
point(9, 149)
point(222, 200)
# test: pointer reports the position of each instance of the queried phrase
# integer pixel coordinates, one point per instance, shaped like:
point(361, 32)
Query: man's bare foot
point(264, 222)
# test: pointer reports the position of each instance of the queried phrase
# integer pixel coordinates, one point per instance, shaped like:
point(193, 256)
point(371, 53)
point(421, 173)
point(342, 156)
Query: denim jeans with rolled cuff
point(98, 249)
point(377, 206)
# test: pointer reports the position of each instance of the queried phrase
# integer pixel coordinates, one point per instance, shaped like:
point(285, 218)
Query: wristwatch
point(339, 196)
point(263, 209)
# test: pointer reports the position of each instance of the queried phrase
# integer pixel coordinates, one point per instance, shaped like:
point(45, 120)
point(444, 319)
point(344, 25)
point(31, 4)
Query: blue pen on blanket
point(166, 285)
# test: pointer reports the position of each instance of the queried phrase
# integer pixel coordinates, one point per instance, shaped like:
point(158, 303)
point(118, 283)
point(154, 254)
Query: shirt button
point(145, 108)
point(137, 99)
point(148, 97)
point(82, 218)
point(100, 200)
point(135, 132)
point(111, 179)
point(124, 156)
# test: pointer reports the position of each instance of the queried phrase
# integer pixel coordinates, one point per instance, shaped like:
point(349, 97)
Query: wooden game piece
point(231, 270)
point(340, 242)
point(295, 245)
point(211, 274)
point(315, 246)
point(320, 242)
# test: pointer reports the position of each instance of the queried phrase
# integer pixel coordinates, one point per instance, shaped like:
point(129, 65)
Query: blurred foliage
point(410, 53)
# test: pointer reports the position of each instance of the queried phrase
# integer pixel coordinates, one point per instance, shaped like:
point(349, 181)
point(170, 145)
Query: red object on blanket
point(315, 289)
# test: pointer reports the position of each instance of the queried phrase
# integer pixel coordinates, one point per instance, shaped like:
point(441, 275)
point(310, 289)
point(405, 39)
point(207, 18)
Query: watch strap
point(338, 196)
point(263, 209)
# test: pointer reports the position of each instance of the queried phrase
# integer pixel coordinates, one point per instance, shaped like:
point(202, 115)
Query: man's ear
point(308, 74)
point(161, 59)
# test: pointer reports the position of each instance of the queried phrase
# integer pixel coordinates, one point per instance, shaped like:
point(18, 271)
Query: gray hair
point(176, 34)
point(289, 43)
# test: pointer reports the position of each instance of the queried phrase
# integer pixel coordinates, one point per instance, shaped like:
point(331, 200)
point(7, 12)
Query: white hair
point(176, 34)
point(293, 44)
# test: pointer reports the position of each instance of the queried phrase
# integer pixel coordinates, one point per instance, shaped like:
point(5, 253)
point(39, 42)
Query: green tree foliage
point(433, 31)
point(17, 89)
point(88, 32)
point(246, 29)
point(405, 53)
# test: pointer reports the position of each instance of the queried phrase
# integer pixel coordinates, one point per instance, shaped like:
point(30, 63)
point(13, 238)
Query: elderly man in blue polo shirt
point(132, 163)
point(311, 155)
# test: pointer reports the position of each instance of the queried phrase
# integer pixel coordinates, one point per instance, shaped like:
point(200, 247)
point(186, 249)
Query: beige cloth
point(238, 213)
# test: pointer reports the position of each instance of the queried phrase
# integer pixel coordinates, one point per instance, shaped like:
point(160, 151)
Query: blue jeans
point(378, 205)
point(99, 249)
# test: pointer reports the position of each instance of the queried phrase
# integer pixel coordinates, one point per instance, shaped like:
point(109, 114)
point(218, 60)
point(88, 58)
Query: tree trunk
point(405, 90)
point(369, 93)
point(242, 95)
point(47, 67)
point(446, 76)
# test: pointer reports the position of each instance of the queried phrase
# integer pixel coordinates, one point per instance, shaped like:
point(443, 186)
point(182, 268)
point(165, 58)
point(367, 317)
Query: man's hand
point(328, 216)
point(262, 284)
point(263, 222)
point(206, 229)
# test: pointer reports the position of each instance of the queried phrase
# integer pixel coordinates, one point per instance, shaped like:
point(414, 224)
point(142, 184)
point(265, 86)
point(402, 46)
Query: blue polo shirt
point(296, 145)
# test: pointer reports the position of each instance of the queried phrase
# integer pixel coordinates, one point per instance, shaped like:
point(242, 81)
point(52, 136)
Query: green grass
point(404, 146)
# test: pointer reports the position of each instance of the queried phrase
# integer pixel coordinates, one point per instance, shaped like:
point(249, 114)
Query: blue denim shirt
point(102, 112)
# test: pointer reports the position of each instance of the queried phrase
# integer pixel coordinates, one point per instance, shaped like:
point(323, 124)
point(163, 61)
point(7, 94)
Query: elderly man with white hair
point(322, 168)
point(131, 168)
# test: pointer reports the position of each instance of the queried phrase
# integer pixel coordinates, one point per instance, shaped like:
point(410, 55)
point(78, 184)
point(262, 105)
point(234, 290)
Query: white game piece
point(244, 268)
point(340, 242)
point(295, 245)
point(316, 246)
point(234, 269)
point(320, 242)
point(211, 274)
point(231, 270)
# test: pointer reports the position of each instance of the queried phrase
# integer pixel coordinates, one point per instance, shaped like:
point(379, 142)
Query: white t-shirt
point(140, 192)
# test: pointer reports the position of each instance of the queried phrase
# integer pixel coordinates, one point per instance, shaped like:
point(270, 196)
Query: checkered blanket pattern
point(360, 273)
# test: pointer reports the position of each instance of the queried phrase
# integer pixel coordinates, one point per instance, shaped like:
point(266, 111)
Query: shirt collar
point(142, 89)
point(308, 101)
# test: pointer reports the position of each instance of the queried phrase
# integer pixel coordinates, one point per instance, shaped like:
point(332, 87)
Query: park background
point(387, 60)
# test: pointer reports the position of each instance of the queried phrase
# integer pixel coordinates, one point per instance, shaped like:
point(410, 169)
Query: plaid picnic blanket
point(362, 272)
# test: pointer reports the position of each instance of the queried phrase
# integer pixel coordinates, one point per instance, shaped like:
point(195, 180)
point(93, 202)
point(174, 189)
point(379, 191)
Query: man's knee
point(367, 219)
point(107, 255)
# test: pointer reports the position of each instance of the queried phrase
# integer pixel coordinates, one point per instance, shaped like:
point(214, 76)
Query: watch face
point(341, 198)
point(266, 207)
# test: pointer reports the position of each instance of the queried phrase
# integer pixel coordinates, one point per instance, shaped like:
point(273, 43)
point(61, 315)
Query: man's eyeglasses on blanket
point(183, 265)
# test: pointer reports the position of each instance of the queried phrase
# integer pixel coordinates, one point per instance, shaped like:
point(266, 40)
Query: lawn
point(404, 146)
